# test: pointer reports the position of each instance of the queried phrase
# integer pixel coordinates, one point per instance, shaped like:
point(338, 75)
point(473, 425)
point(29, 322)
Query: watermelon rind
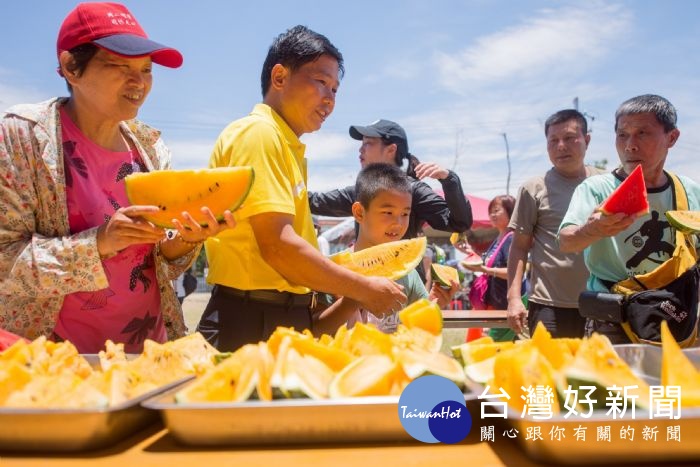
point(687, 222)
point(472, 260)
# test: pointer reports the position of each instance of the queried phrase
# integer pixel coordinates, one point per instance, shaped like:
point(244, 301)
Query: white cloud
point(189, 154)
point(11, 94)
point(556, 42)
point(325, 146)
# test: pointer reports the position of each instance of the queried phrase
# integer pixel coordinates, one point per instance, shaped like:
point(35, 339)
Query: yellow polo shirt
point(264, 141)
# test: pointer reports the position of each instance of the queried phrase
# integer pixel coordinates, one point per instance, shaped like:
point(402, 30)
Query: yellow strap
point(681, 198)
point(681, 204)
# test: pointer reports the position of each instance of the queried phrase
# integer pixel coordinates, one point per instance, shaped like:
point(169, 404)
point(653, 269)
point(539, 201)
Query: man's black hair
point(294, 48)
point(564, 116)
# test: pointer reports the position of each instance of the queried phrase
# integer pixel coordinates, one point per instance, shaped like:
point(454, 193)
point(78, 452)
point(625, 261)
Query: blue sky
point(456, 74)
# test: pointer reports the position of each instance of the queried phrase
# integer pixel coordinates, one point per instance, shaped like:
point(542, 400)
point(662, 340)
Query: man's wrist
point(588, 231)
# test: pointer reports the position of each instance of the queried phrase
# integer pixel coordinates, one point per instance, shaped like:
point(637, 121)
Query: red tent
point(480, 211)
point(481, 233)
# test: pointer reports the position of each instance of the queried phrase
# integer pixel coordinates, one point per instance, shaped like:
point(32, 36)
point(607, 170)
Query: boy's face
point(385, 220)
point(308, 94)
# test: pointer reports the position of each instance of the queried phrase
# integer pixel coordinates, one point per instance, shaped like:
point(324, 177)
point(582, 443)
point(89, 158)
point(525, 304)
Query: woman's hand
point(464, 247)
point(191, 232)
point(126, 227)
point(431, 170)
point(474, 267)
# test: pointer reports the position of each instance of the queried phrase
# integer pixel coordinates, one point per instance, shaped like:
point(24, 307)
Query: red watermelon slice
point(630, 197)
point(7, 339)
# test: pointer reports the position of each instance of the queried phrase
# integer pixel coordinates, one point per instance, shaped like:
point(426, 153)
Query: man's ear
point(278, 76)
point(673, 136)
point(358, 211)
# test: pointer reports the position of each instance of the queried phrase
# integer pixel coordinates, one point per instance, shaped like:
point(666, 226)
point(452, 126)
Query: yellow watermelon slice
point(458, 237)
point(630, 197)
point(444, 274)
point(678, 370)
point(422, 314)
point(687, 222)
point(175, 191)
point(393, 260)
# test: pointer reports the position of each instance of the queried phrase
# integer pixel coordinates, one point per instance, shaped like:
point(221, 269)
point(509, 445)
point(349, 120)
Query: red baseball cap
point(111, 26)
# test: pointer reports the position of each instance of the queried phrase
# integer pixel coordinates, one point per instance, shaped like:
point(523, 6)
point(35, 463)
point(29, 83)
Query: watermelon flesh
point(392, 259)
point(629, 198)
point(444, 275)
point(7, 339)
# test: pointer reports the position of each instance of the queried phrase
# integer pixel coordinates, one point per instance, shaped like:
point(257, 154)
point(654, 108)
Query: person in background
point(385, 141)
point(645, 130)
point(323, 245)
point(180, 288)
point(556, 278)
point(495, 261)
point(77, 262)
point(382, 211)
point(264, 270)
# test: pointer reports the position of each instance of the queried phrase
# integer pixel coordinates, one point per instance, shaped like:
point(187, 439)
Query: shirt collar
point(266, 111)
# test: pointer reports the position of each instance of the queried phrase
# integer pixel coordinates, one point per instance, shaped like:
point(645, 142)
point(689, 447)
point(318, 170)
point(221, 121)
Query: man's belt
point(269, 296)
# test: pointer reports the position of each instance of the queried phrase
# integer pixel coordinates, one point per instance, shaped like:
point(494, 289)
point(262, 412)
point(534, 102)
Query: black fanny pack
point(640, 313)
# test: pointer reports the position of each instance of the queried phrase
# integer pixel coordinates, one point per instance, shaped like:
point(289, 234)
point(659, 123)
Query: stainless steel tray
point(645, 360)
point(359, 419)
point(70, 430)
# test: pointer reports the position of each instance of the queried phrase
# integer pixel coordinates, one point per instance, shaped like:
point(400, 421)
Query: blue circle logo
point(432, 410)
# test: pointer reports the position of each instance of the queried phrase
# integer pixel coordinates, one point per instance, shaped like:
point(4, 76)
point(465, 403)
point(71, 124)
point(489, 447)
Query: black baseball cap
point(387, 130)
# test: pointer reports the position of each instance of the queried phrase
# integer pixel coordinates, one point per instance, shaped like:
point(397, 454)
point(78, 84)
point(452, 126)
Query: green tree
point(600, 164)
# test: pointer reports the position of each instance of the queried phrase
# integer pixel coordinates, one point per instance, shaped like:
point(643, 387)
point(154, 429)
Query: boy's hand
point(443, 296)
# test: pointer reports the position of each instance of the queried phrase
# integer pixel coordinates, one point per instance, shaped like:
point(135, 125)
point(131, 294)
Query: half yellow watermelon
point(175, 191)
point(687, 222)
point(393, 260)
point(630, 197)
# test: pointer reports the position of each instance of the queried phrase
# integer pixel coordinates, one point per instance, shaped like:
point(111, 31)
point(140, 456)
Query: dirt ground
point(193, 307)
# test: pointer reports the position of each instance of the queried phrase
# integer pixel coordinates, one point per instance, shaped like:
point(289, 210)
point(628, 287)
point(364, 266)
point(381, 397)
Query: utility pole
point(505, 138)
point(458, 143)
point(585, 114)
